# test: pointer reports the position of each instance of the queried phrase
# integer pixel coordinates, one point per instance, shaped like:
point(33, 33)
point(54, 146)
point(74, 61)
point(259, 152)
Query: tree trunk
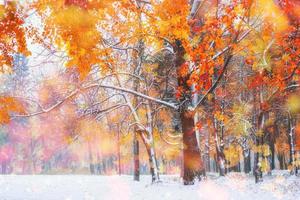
point(220, 161)
point(291, 142)
point(149, 144)
point(136, 164)
point(98, 165)
point(152, 163)
point(281, 162)
point(3, 167)
point(119, 153)
point(247, 162)
point(192, 165)
point(92, 167)
point(272, 148)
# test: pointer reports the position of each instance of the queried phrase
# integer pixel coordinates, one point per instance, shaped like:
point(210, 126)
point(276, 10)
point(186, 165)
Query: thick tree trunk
point(192, 165)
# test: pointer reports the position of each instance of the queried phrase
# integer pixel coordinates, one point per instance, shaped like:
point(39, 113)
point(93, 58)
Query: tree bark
point(192, 164)
point(152, 162)
point(150, 145)
point(136, 164)
point(220, 157)
point(119, 153)
point(291, 142)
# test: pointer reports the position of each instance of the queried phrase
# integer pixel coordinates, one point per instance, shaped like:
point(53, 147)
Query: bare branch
point(168, 104)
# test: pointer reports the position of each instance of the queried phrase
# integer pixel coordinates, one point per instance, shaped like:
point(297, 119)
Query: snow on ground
point(235, 186)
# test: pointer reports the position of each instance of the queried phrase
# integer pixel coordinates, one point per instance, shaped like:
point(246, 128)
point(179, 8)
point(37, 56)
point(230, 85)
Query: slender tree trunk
point(220, 161)
point(284, 162)
point(291, 142)
point(247, 161)
point(136, 164)
point(119, 153)
point(220, 146)
point(92, 167)
point(260, 127)
point(281, 162)
point(272, 149)
point(98, 165)
point(152, 162)
point(137, 71)
point(150, 145)
point(4, 167)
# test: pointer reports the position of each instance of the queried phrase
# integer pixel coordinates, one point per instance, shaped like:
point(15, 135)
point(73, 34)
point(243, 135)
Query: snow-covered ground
point(83, 187)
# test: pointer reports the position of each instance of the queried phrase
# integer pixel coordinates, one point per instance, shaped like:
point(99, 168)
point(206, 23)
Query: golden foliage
point(271, 13)
point(12, 34)
point(239, 124)
point(232, 154)
point(75, 30)
point(265, 167)
point(9, 105)
point(293, 103)
point(172, 20)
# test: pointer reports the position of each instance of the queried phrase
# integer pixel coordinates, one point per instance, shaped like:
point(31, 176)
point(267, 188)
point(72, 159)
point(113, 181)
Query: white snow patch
point(234, 186)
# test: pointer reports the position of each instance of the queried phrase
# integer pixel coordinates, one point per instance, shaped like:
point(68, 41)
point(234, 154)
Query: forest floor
point(237, 186)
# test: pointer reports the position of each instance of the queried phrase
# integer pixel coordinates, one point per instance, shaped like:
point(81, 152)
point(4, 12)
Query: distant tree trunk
point(260, 127)
point(104, 166)
point(98, 165)
point(4, 167)
point(119, 153)
point(281, 161)
point(272, 149)
point(291, 142)
point(247, 161)
point(220, 161)
point(284, 162)
point(136, 164)
point(92, 167)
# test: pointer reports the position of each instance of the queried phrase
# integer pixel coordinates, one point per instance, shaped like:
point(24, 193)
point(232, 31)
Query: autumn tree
point(188, 58)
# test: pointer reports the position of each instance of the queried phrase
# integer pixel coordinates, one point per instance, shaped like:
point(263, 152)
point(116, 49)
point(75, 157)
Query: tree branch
point(76, 91)
point(168, 104)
